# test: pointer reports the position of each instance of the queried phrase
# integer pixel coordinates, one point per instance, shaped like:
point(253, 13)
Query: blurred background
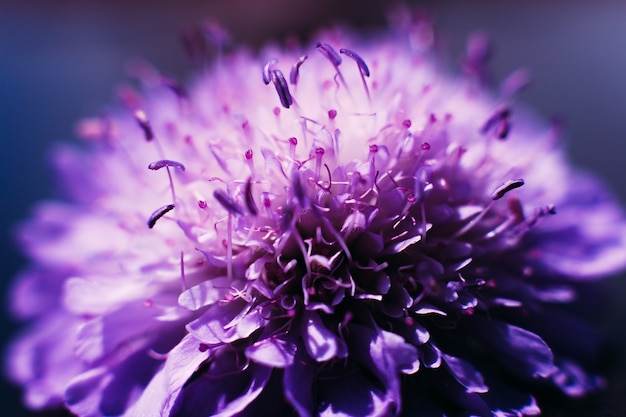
point(62, 60)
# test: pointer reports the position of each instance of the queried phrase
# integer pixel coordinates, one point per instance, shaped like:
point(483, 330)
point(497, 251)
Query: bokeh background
point(62, 60)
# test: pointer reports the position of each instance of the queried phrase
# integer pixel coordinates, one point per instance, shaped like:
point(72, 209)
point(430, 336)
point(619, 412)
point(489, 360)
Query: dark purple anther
point(503, 128)
point(248, 154)
point(250, 204)
point(266, 71)
point(329, 52)
point(142, 119)
point(165, 163)
point(281, 88)
point(550, 209)
point(228, 203)
point(332, 113)
point(365, 71)
point(498, 122)
point(175, 86)
point(294, 75)
point(158, 213)
point(506, 187)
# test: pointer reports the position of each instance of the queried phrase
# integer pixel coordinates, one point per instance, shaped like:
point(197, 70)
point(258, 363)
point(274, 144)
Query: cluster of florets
point(356, 240)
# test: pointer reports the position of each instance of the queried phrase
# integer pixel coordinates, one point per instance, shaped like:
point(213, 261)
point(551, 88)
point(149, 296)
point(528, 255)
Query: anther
point(175, 86)
point(266, 71)
point(158, 213)
point(142, 119)
point(156, 165)
point(332, 113)
point(294, 75)
point(406, 123)
point(499, 123)
point(329, 53)
point(365, 71)
point(282, 88)
point(550, 209)
point(228, 203)
point(250, 204)
point(506, 187)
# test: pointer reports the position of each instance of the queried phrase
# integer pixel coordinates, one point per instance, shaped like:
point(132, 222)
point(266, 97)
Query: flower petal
point(199, 296)
point(523, 352)
point(321, 344)
point(273, 352)
point(211, 329)
point(298, 384)
point(159, 396)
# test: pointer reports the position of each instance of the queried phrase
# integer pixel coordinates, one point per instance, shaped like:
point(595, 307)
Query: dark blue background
point(61, 60)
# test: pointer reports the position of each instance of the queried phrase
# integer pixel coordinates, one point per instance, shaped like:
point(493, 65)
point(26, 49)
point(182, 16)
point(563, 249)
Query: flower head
point(342, 229)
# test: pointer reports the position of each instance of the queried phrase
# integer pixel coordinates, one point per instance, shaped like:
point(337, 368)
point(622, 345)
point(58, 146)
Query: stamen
point(293, 142)
point(365, 71)
point(175, 86)
point(294, 75)
point(248, 156)
point(228, 203)
point(539, 213)
point(182, 271)
point(298, 190)
point(319, 154)
point(329, 53)
point(156, 165)
point(158, 213)
point(250, 204)
point(142, 119)
point(516, 209)
point(282, 88)
point(499, 123)
point(506, 187)
point(266, 71)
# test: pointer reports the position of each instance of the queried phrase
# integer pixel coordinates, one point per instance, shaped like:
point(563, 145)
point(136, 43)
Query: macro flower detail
point(366, 236)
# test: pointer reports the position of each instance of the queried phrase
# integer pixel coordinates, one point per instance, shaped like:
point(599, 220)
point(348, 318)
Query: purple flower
point(342, 230)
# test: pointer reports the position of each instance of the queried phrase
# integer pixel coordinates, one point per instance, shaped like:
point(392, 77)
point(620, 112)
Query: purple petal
point(41, 359)
point(321, 343)
point(105, 334)
point(199, 296)
point(158, 397)
point(211, 329)
point(588, 248)
point(521, 351)
point(466, 374)
point(222, 388)
point(298, 385)
point(385, 354)
point(354, 395)
point(272, 352)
